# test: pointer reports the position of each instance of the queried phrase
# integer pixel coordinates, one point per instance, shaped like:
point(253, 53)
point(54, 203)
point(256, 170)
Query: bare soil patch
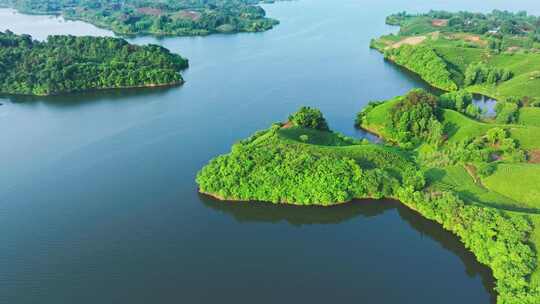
point(439, 22)
point(192, 15)
point(150, 11)
point(287, 125)
point(534, 157)
point(470, 38)
point(410, 41)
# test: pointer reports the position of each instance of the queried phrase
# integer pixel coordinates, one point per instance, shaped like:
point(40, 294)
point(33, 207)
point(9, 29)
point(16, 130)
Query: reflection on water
point(245, 212)
point(250, 212)
point(486, 104)
point(87, 97)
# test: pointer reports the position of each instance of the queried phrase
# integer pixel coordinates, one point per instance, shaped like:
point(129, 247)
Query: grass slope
point(457, 179)
point(529, 116)
point(519, 181)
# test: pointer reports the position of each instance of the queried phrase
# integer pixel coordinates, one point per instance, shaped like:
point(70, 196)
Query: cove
point(98, 201)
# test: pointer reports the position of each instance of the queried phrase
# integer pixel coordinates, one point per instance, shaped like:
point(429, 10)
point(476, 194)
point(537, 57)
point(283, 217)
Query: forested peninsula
point(495, 54)
point(438, 161)
point(64, 64)
point(156, 17)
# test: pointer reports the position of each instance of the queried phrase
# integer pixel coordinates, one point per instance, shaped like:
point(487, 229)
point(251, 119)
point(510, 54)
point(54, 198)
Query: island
point(65, 64)
point(156, 17)
point(436, 160)
point(495, 54)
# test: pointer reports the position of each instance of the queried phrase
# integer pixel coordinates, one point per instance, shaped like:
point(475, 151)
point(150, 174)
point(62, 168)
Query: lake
point(98, 202)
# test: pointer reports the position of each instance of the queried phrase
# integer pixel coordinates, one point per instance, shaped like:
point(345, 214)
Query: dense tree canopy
point(458, 100)
point(479, 73)
point(68, 64)
point(268, 168)
point(424, 61)
point(157, 17)
point(415, 118)
point(309, 118)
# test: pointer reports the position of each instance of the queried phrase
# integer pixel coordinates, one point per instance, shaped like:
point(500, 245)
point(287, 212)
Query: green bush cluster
point(415, 118)
point(69, 64)
point(460, 101)
point(495, 145)
point(480, 73)
point(424, 61)
point(506, 112)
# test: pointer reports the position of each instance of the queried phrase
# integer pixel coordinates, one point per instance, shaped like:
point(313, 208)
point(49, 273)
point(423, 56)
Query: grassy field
point(457, 179)
point(529, 116)
point(459, 127)
point(519, 181)
point(369, 156)
point(377, 117)
point(313, 137)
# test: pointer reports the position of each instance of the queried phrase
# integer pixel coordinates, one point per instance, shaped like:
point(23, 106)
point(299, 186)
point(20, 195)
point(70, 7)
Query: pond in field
point(98, 202)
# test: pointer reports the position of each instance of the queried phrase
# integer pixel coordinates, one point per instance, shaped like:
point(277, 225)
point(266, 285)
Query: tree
point(311, 118)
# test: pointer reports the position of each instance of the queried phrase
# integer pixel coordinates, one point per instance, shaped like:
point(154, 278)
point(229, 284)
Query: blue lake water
point(98, 202)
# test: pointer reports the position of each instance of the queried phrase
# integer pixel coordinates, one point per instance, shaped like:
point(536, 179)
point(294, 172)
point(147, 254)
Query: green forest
point(158, 17)
point(64, 64)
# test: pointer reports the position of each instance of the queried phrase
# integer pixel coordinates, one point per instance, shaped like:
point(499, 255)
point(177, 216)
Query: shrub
point(480, 73)
point(458, 100)
point(506, 112)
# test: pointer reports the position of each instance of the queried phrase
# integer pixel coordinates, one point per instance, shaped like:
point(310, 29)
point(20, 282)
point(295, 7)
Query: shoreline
point(149, 86)
point(285, 203)
point(469, 89)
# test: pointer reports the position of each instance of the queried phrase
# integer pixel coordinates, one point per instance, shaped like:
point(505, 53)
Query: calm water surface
point(98, 202)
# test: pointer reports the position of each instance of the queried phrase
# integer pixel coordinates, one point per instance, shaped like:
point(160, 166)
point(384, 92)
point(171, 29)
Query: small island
point(159, 17)
point(66, 64)
point(495, 54)
point(435, 158)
